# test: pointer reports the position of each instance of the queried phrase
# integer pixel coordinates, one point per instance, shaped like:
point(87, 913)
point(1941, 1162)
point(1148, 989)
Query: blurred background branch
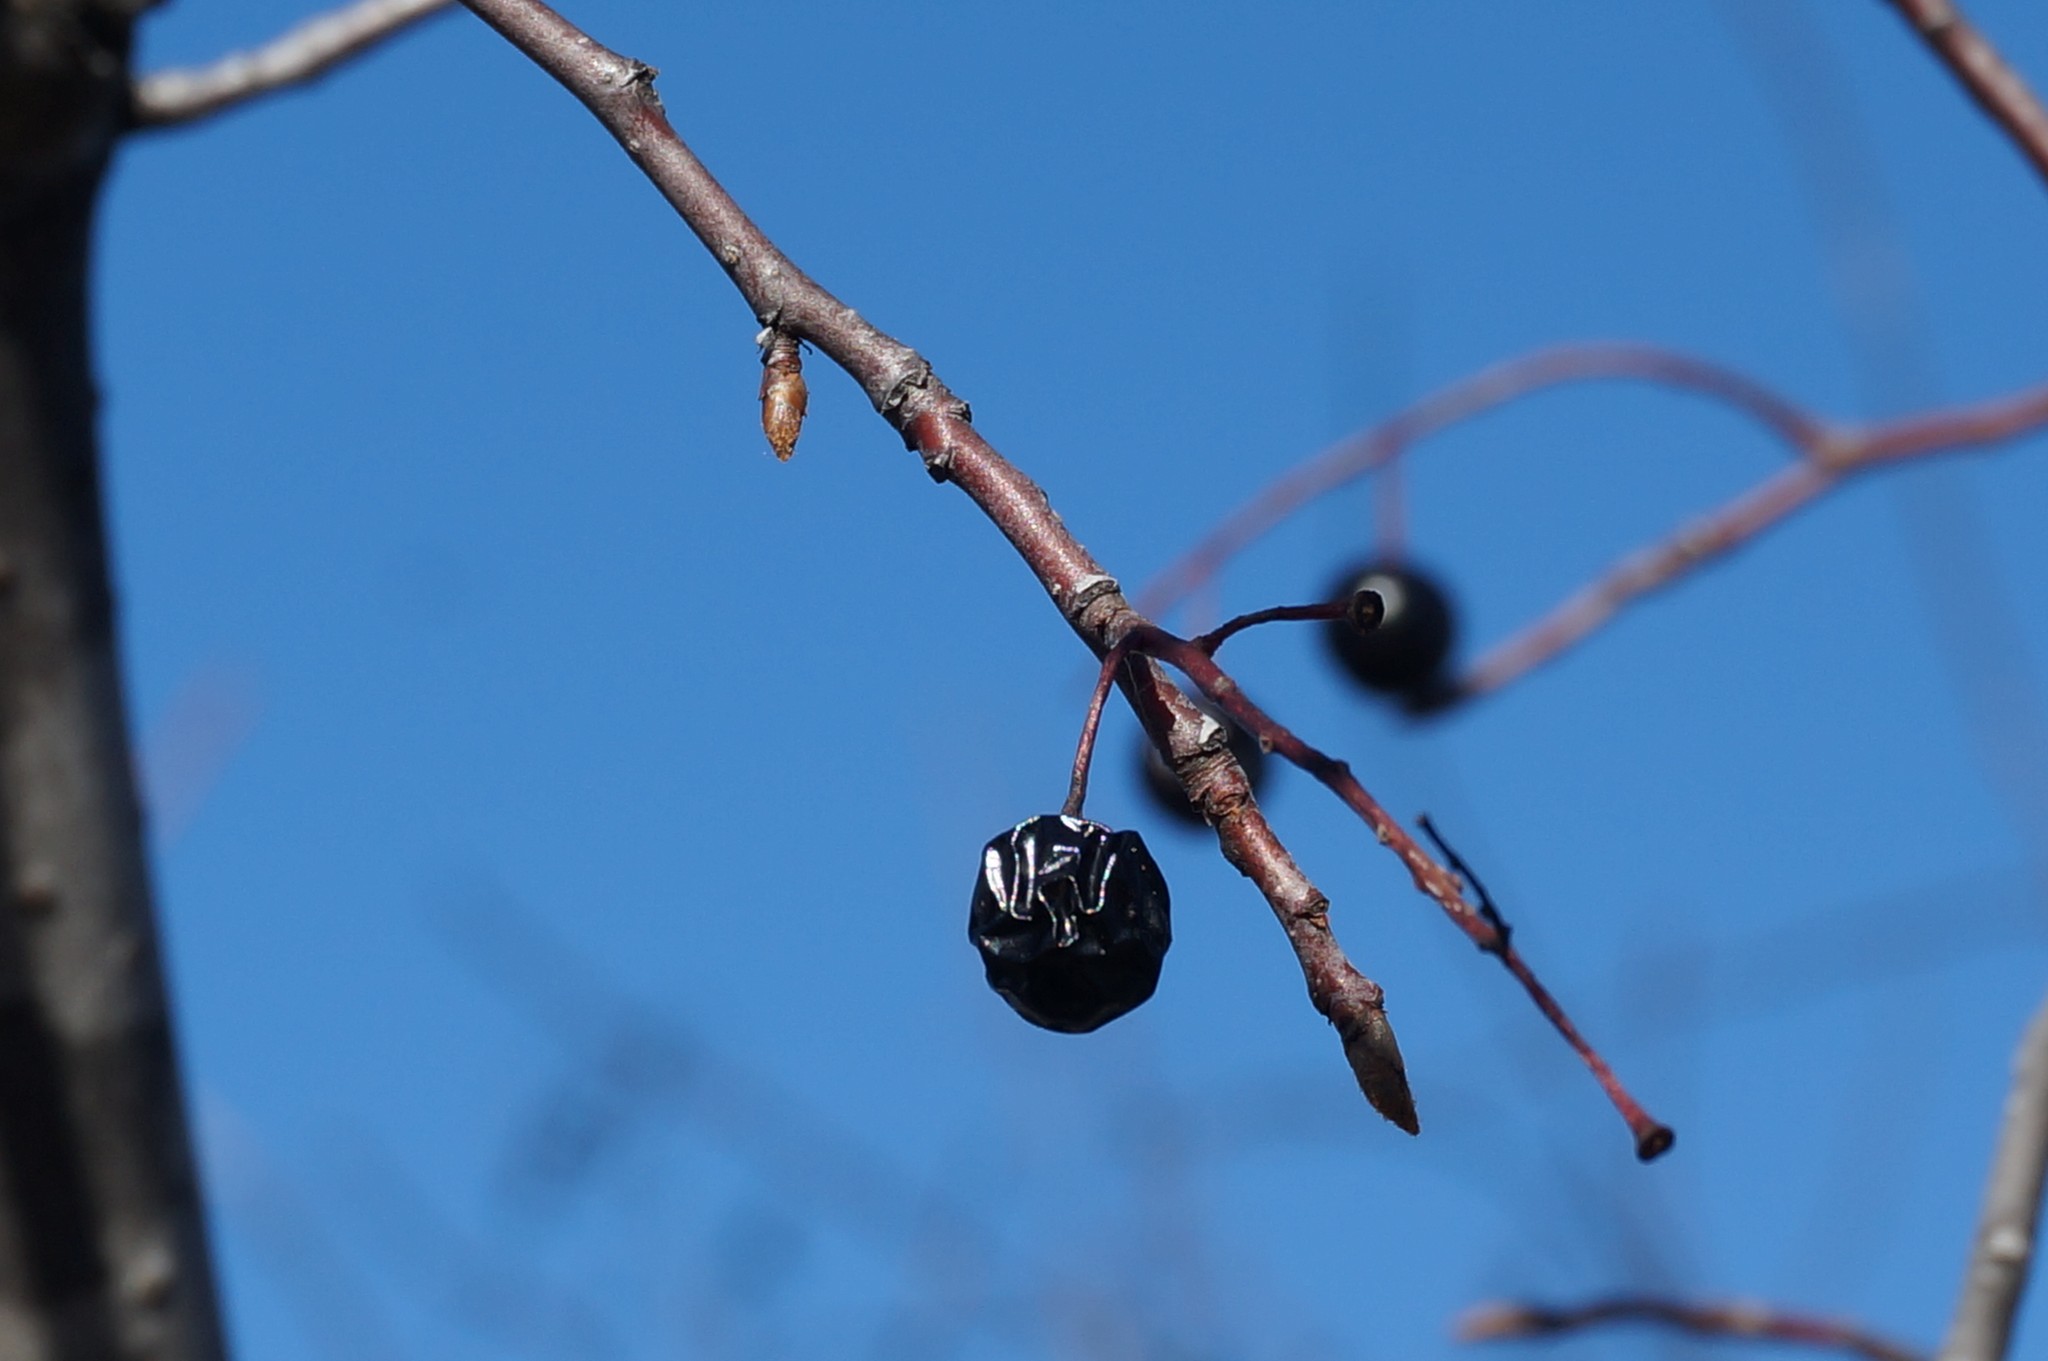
point(298, 56)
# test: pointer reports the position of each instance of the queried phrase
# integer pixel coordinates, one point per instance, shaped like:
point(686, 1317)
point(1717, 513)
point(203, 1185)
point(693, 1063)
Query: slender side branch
point(2002, 1257)
point(1831, 455)
point(1827, 454)
point(298, 55)
point(936, 425)
point(1757, 1322)
point(1646, 570)
point(1976, 64)
point(1364, 611)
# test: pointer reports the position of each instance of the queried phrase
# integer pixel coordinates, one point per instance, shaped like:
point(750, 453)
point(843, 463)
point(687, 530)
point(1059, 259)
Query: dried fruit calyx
point(1405, 654)
point(1071, 920)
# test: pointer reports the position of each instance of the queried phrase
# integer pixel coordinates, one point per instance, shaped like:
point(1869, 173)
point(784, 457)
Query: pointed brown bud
point(1376, 1062)
point(783, 395)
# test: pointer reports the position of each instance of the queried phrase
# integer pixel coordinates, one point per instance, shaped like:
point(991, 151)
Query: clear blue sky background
point(566, 814)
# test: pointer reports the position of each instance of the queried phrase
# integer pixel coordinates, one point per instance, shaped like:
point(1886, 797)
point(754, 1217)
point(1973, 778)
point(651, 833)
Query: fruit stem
point(1364, 609)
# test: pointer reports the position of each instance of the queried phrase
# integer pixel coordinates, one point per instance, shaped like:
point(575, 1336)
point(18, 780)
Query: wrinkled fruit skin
point(1404, 657)
point(1165, 791)
point(1071, 920)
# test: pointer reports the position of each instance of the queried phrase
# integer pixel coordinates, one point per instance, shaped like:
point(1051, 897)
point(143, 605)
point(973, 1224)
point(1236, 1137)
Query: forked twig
point(1501, 930)
point(1363, 616)
point(1378, 447)
point(1482, 925)
point(1827, 453)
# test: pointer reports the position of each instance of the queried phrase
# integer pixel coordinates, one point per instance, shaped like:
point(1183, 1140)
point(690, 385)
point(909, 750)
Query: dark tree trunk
point(103, 1251)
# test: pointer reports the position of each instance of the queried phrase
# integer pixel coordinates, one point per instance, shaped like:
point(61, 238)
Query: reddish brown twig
point(1643, 571)
point(1390, 514)
point(1498, 1322)
point(1976, 64)
point(936, 425)
point(1362, 615)
point(1828, 453)
point(1371, 450)
point(1831, 454)
point(1481, 925)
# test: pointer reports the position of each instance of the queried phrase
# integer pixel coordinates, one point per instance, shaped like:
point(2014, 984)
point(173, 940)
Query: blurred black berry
point(1405, 655)
point(1165, 791)
point(1071, 920)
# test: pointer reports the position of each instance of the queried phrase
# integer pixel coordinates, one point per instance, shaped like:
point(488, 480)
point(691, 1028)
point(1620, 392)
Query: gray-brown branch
point(297, 56)
point(103, 1253)
point(2002, 1256)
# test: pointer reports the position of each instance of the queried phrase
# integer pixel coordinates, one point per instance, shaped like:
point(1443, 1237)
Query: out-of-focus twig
point(257, 1197)
point(1379, 447)
point(1498, 1322)
point(298, 55)
point(1828, 452)
point(2003, 1255)
point(1977, 65)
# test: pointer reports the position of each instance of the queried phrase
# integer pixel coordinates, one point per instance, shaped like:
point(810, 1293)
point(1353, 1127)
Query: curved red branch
point(1830, 455)
point(1371, 450)
point(1827, 453)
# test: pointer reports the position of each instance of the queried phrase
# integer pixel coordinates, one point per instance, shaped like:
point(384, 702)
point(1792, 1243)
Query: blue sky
point(567, 814)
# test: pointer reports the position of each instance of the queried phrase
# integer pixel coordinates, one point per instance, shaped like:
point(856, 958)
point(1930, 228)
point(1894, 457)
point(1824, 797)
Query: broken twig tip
point(1492, 1322)
point(1653, 1142)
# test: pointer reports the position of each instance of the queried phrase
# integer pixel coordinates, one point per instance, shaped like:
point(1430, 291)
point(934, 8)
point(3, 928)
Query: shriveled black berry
point(1165, 791)
point(1405, 655)
point(1071, 920)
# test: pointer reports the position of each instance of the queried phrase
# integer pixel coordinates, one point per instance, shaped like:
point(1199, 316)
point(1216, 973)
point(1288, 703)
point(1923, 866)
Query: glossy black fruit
point(1165, 791)
point(1406, 655)
point(1071, 920)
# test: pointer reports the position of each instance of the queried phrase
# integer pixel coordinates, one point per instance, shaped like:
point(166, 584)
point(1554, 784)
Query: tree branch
point(1970, 57)
point(2002, 1257)
point(103, 1250)
point(1756, 1322)
point(297, 56)
point(937, 426)
point(1827, 453)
